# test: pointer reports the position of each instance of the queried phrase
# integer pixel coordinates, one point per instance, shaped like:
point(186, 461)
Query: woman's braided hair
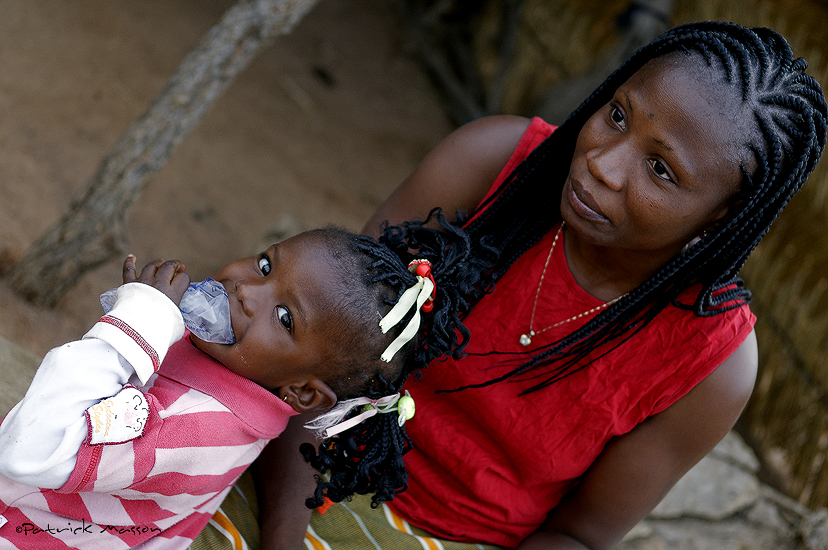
point(789, 112)
point(368, 457)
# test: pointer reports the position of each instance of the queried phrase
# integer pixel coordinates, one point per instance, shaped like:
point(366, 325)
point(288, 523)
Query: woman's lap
point(346, 526)
point(235, 525)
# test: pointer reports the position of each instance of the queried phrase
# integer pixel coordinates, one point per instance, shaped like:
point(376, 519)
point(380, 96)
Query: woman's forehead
point(693, 119)
point(712, 103)
point(709, 73)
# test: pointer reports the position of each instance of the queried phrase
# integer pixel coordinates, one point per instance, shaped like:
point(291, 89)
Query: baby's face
point(280, 312)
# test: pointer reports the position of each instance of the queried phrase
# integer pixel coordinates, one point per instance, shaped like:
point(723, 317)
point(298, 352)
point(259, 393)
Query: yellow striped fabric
point(350, 525)
point(235, 525)
point(356, 526)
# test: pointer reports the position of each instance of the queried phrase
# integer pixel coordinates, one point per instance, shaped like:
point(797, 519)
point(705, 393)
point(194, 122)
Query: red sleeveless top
point(488, 465)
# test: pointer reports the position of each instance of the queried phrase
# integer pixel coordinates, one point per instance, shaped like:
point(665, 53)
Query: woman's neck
point(607, 273)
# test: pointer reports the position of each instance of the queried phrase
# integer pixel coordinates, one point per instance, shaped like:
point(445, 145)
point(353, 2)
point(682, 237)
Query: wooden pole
point(93, 231)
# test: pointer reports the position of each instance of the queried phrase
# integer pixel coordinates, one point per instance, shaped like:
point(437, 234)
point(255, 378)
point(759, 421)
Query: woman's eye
point(661, 171)
point(264, 265)
point(284, 317)
point(618, 117)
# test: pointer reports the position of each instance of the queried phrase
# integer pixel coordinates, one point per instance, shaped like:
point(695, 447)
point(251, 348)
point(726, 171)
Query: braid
point(790, 113)
point(367, 458)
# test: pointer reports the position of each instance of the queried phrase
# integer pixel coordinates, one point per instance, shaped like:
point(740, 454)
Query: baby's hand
point(168, 277)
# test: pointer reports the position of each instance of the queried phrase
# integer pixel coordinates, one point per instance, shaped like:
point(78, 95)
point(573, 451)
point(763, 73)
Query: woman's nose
point(606, 164)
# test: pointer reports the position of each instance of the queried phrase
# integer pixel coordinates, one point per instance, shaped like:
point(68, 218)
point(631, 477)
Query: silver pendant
point(525, 339)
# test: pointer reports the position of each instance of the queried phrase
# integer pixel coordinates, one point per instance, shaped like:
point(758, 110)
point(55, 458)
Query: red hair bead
point(423, 269)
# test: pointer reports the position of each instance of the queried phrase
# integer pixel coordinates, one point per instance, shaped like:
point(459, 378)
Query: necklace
point(526, 339)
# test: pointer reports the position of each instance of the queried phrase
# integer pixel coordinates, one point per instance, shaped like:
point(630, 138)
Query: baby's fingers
point(168, 270)
point(128, 274)
point(172, 280)
point(149, 271)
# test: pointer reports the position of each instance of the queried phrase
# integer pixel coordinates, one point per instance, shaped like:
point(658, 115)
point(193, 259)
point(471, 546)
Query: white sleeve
point(141, 326)
point(41, 436)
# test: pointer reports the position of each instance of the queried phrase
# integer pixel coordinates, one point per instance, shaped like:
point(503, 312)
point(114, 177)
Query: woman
point(616, 348)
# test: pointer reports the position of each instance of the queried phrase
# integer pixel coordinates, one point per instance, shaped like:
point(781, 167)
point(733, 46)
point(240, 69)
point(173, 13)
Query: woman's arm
point(456, 174)
point(635, 471)
point(283, 482)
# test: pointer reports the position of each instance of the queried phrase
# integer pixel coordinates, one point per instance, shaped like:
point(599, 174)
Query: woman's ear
point(308, 396)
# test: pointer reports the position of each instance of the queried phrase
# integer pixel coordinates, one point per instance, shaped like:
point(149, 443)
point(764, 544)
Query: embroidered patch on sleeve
point(119, 418)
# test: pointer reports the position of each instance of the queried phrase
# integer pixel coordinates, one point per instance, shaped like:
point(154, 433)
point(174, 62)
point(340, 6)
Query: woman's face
point(660, 163)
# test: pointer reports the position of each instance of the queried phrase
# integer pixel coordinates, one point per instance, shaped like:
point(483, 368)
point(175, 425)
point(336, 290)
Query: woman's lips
point(582, 202)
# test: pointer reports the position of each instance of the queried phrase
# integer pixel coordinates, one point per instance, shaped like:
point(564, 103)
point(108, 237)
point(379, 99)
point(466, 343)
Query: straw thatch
point(788, 414)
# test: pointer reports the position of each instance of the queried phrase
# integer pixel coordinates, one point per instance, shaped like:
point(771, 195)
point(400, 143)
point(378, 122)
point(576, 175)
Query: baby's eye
point(661, 171)
point(264, 265)
point(618, 117)
point(284, 317)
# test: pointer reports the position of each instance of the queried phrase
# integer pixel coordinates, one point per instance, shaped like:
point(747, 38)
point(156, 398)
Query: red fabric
point(487, 466)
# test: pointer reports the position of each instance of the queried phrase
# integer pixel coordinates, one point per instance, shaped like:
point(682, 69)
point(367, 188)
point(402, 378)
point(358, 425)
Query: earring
point(284, 398)
point(693, 241)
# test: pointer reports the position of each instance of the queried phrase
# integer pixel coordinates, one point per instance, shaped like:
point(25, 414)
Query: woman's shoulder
point(732, 313)
point(534, 132)
point(691, 347)
point(457, 173)
point(502, 135)
point(485, 145)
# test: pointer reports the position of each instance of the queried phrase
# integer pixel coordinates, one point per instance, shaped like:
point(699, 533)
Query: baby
point(135, 434)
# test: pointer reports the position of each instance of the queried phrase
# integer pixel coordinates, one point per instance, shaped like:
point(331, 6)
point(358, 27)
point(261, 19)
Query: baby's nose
point(250, 295)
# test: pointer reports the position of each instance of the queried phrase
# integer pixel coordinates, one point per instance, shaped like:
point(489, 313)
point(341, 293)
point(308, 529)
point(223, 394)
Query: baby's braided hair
point(367, 458)
point(789, 113)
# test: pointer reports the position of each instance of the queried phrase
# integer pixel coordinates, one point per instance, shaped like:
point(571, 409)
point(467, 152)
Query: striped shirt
point(132, 435)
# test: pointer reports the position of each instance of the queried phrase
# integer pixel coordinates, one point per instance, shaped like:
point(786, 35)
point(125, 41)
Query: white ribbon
point(330, 421)
point(414, 296)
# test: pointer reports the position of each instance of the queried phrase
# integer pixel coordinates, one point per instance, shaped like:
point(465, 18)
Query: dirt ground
point(317, 130)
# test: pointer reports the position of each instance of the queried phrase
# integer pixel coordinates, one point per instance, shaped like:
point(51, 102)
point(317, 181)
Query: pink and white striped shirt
point(125, 440)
